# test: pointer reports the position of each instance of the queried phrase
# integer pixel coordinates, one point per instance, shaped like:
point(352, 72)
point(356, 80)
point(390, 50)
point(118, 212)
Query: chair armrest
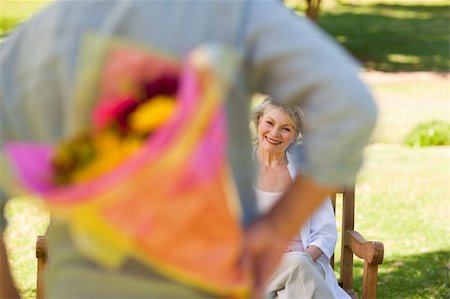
point(41, 247)
point(370, 251)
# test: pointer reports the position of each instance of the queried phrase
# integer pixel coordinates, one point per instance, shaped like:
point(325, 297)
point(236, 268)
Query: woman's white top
point(319, 230)
point(265, 201)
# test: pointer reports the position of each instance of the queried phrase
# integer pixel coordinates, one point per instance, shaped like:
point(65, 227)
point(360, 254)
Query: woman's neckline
point(268, 192)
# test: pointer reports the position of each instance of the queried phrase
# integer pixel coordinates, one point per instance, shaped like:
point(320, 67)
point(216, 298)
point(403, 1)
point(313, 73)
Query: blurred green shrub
point(435, 132)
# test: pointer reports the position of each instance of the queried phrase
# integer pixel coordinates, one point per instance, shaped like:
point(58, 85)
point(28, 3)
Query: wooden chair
point(352, 243)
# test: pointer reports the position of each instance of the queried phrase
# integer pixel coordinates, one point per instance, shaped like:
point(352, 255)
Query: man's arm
point(297, 63)
point(7, 287)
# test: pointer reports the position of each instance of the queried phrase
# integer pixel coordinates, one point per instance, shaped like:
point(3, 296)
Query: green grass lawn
point(402, 200)
point(403, 193)
point(392, 35)
point(406, 100)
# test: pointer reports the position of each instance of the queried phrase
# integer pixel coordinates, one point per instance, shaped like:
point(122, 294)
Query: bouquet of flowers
point(145, 173)
point(121, 126)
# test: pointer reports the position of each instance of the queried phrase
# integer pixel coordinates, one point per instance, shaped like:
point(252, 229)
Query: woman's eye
point(269, 122)
point(287, 129)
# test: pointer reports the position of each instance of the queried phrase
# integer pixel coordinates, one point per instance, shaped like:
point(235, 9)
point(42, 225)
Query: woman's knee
point(299, 260)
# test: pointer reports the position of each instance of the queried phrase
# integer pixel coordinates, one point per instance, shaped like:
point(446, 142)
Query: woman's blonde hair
point(294, 113)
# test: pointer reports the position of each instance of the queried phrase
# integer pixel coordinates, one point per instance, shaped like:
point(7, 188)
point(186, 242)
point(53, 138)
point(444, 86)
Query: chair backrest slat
point(348, 223)
point(333, 202)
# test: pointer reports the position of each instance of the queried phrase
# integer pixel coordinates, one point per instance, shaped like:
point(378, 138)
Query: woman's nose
point(275, 131)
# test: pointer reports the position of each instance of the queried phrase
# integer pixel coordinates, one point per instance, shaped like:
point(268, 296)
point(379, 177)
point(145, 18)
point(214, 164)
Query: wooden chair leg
point(370, 279)
point(346, 268)
point(41, 255)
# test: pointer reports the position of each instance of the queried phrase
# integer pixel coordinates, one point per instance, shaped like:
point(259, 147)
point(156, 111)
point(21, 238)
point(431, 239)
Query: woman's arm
point(314, 252)
point(323, 230)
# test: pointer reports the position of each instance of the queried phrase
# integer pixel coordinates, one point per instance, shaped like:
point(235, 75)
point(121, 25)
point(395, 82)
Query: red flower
point(115, 110)
point(165, 85)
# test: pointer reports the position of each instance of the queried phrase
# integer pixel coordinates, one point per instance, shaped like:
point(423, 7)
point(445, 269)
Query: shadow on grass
point(389, 37)
point(415, 276)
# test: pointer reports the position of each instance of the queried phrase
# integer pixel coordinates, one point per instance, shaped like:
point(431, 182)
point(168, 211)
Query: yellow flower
point(152, 114)
point(111, 150)
point(87, 158)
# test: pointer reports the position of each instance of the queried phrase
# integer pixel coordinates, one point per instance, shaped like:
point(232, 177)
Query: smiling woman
point(305, 270)
point(277, 127)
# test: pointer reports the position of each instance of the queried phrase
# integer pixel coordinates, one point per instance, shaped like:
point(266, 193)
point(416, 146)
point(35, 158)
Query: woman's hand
point(314, 252)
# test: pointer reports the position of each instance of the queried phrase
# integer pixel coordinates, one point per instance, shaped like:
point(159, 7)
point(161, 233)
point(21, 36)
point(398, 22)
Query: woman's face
point(276, 130)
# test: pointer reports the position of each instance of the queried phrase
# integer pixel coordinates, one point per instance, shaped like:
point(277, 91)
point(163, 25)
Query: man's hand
point(264, 248)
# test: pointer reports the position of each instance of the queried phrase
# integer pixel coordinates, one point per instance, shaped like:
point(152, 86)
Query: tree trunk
point(313, 9)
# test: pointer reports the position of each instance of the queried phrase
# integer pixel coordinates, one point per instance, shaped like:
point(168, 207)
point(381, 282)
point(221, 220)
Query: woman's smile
point(272, 141)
